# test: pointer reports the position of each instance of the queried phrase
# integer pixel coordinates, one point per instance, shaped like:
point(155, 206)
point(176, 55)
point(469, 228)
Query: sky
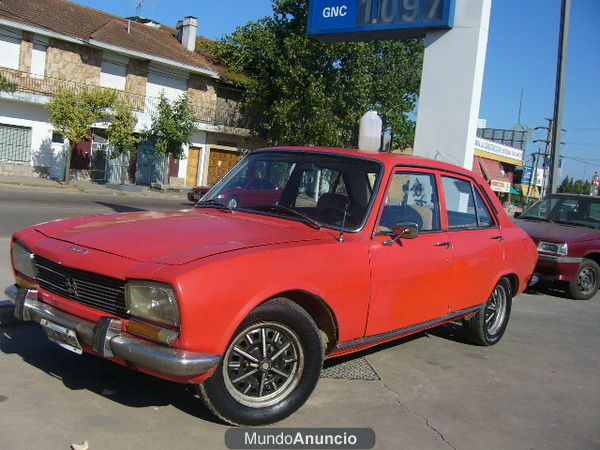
point(521, 57)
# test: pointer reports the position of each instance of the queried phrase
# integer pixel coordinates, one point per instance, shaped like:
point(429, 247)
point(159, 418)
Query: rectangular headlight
point(153, 301)
point(552, 247)
point(22, 259)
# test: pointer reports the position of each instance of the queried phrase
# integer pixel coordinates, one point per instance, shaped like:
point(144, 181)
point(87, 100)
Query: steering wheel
point(335, 215)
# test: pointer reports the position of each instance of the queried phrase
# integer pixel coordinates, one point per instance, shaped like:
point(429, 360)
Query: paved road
point(539, 388)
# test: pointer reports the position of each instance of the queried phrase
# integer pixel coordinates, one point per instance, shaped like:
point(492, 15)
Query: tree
point(73, 113)
point(121, 133)
point(301, 91)
point(571, 186)
point(7, 85)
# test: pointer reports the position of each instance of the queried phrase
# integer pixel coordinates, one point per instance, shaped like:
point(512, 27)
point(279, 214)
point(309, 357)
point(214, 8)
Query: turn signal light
point(152, 332)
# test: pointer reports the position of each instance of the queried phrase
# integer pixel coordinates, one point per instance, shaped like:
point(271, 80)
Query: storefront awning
point(492, 171)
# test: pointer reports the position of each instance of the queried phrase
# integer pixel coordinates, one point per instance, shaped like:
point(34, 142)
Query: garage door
point(15, 144)
point(220, 162)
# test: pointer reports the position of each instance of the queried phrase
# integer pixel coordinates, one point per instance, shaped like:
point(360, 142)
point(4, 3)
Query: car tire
point(233, 203)
point(586, 282)
point(487, 326)
point(250, 387)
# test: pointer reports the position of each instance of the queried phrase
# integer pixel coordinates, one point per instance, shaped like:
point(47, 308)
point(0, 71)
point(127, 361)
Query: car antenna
point(340, 238)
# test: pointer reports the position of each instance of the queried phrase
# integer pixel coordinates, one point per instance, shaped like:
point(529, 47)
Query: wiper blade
point(284, 209)
point(212, 204)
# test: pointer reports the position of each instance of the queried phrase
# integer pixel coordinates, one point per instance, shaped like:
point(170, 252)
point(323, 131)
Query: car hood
point(557, 232)
point(177, 237)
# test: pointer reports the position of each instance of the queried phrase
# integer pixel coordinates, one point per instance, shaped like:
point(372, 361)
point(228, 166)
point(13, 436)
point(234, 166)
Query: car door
point(476, 239)
point(411, 278)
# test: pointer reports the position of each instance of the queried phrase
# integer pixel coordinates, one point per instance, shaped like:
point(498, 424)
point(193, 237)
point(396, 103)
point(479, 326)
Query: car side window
point(466, 208)
point(412, 197)
point(484, 216)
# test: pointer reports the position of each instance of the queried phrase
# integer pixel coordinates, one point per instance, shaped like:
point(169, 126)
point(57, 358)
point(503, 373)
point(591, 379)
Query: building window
point(10, 48)
point(113, 71)
point(57, 138)
point(38, 56)
point(15, 144)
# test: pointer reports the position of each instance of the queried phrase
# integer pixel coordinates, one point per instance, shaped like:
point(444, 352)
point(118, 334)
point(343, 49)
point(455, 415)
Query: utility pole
point(547, 151)
point(561, 76)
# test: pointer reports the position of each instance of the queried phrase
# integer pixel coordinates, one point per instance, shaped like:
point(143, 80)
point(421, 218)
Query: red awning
point(493, 172)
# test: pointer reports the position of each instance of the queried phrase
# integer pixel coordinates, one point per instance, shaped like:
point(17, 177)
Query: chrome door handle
point(443, 244)
point(498, 238)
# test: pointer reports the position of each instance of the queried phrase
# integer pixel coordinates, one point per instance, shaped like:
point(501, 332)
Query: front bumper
point(557, 268)
point(109, 341)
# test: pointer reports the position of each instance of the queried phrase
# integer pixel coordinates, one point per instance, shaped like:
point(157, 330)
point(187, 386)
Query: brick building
point(47, 45)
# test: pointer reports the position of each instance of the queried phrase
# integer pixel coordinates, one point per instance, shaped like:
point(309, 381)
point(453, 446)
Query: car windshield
point(315, 188)
point(579, 211)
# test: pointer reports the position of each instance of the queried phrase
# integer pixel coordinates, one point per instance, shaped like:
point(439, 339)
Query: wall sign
point(359, 20)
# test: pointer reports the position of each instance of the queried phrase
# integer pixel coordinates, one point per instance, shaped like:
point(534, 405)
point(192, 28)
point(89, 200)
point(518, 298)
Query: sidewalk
point(98, 188)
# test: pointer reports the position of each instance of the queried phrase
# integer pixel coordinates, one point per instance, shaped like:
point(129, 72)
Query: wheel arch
point(594, 256)
point(513, 280)
point(318, 309)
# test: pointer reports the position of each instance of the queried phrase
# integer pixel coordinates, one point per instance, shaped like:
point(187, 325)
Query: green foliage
point(121, 130)
point(571, 186)
point(172, 126)
point(73, 113)
point(301, 91)
point(7, 85)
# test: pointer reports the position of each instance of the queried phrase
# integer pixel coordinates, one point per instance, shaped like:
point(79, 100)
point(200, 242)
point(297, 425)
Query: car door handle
point(498, 238)
point(443, 244)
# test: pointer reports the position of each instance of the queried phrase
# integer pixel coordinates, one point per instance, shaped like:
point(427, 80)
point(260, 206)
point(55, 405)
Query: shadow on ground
point(120, 208)
point(545, 288)
point(102, 377)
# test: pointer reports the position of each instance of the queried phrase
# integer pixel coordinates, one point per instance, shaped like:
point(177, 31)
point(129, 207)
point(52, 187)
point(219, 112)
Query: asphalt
point(536, 389)
point(92, 187)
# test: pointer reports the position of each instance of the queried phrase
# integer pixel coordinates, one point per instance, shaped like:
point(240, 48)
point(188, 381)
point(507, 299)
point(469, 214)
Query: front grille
point(87, 288)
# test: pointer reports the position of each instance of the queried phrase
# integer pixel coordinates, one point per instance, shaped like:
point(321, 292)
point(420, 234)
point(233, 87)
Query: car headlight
point(552, 247)
point(153, 301)
point(22, 259)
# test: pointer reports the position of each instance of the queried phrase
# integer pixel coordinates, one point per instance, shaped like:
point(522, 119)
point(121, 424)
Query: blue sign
point(360, 20)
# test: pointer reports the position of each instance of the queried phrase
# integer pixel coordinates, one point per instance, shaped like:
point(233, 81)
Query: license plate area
point(65, 337)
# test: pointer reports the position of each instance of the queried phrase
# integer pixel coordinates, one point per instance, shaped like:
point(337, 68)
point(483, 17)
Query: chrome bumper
point(157, 357)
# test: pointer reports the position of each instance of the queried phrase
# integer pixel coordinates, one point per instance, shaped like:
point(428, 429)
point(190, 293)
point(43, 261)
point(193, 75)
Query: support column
point(451, 84)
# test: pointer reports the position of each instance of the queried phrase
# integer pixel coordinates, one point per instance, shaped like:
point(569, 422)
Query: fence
point(26, 83)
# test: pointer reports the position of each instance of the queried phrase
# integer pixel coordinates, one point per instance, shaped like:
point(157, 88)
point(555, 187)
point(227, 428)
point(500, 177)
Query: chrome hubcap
point(495, 310)
point(263, 365)
point(586, 280)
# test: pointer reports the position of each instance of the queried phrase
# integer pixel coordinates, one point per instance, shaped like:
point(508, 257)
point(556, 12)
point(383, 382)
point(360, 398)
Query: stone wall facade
point(137, 76)
point(202, 91)
point(69, 61)
point(26, 50)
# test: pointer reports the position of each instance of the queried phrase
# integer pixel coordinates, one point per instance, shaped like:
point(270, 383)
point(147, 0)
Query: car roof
point(389, 159)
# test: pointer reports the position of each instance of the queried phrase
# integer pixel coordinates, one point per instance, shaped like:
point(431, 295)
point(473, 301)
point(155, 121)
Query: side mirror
point(517, 214)
point(406, 230)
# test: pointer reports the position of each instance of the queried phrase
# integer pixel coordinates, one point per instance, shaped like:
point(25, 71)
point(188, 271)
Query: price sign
point(357, 20)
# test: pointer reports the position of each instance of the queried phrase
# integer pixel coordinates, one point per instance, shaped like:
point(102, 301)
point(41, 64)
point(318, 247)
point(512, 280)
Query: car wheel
point(487, 326)
point(586, 282)
point(233, 203)
point(270, 368)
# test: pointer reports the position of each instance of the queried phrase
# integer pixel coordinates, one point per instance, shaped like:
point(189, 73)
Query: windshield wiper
point(541, 219)
point(304, 218)
point(213, 204)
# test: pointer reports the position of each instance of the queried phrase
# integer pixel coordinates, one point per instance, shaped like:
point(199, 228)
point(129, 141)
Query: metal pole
point(561, 76)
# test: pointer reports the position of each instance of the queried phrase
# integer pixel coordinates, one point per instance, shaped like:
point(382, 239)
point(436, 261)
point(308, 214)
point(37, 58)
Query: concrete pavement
point(92, 187)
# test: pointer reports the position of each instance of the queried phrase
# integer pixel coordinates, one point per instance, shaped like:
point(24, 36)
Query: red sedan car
point(566, 228)
point(356, 249)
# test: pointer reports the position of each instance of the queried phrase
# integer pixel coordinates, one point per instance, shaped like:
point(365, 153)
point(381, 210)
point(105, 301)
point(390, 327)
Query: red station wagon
point(245, 304)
